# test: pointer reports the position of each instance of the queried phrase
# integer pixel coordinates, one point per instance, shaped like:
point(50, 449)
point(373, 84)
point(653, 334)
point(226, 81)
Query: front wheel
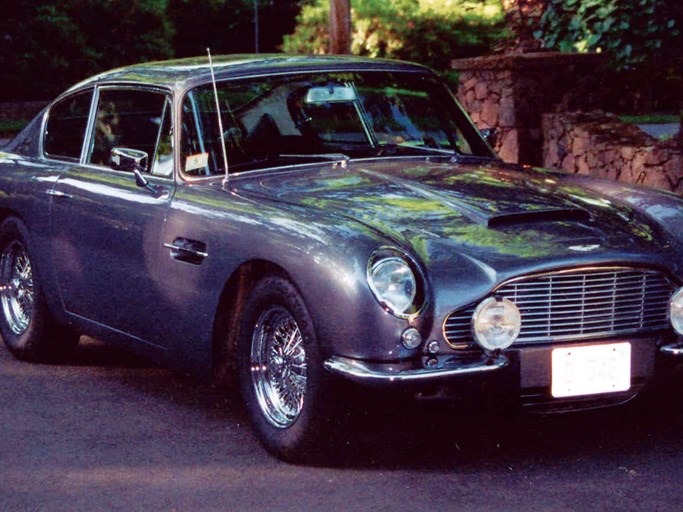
point(287, 392)
point(27, 328)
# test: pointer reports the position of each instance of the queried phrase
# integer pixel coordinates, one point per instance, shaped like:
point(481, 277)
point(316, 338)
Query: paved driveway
point(108, 431)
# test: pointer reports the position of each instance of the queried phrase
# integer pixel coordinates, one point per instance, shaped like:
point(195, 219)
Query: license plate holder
point(591, 369)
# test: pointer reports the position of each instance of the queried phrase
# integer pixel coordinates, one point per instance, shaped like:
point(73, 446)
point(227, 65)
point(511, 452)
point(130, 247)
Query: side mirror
point(131, 160)
point(126, 159)
point(490, 135)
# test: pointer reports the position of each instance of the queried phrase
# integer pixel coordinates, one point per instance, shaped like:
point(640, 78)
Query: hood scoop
point(544, 215)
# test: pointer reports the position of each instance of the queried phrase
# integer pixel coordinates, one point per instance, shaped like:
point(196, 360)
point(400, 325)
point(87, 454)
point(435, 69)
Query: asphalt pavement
point(109, 431)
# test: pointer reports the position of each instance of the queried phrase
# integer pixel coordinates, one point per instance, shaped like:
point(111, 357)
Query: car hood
point(491, 212)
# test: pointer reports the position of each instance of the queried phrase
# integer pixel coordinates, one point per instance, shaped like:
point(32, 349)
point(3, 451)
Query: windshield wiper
point(425, 149)
point(316, 157)
point(333, 157)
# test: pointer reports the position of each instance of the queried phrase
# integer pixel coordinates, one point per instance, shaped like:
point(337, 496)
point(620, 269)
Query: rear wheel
point(27, 328)
point(288, 395)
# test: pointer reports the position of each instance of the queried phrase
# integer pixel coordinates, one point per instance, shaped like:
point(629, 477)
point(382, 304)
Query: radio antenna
point(220, 120)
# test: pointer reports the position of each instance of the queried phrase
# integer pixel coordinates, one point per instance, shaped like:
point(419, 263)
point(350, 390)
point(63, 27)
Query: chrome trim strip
point(58, 193)
point(593, 268)
point(361, 372)
point(89, 134)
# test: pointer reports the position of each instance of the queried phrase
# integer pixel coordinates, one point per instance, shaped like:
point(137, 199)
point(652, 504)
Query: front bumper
point(674, 350)
point(387, 374)
point(528, 367)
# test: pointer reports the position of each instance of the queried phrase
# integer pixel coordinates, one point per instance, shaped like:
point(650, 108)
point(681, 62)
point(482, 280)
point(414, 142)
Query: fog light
point(433, 347)
point(676, 311)
point(411, 338)
point(496, 323)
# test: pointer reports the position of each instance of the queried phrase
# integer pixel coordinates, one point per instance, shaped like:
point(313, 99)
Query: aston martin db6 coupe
point(307, 225)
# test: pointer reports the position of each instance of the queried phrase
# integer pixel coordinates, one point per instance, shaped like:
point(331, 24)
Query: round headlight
point(676, 311)
point(496, 323)
point(393, 282)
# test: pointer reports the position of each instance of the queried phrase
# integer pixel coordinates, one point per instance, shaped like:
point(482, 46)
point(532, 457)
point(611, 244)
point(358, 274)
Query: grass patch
point(11, 128)
point(651, 119)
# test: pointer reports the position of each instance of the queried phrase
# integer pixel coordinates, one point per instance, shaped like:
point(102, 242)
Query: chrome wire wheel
point(278, 366)
point(16, 287)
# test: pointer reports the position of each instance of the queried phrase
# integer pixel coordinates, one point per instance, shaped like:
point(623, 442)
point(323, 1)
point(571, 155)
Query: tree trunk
point(340, 26)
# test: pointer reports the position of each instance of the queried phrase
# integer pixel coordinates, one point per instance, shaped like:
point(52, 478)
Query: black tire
point(27, 327)
point(292, 430)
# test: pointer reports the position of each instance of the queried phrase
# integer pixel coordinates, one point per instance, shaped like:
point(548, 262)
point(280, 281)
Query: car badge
point(584, 248)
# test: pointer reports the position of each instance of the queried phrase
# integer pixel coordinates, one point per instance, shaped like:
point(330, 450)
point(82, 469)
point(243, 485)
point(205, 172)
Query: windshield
point(271, 121)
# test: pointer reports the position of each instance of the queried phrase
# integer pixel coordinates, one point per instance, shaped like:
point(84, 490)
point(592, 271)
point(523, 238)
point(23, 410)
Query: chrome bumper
point(673, 350)
point(388, 374)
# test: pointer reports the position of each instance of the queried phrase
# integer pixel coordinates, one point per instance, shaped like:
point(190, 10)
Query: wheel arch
point(230, 305)
point(5, 213)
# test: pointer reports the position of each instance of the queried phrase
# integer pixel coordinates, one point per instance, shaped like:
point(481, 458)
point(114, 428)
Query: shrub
point(45, 45)
point(432, 32)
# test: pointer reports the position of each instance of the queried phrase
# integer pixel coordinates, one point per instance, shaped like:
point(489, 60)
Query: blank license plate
point(591, 370)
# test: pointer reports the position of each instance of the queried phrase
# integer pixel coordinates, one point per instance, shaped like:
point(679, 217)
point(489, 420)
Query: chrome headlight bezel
point(383, 259)
point(505, 307)
point(676, 311)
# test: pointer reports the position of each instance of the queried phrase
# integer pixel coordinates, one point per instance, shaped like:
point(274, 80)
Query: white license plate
point(591, 369)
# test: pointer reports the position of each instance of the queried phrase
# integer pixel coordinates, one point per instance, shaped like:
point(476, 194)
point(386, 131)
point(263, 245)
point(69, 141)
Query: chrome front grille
point(577, 304)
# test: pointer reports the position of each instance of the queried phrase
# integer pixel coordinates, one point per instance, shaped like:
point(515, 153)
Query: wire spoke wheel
point(278, 366)
point(16, 287)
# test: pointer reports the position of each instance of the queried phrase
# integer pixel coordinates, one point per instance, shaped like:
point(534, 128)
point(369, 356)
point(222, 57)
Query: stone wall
point(510, 92)
point(600, 145)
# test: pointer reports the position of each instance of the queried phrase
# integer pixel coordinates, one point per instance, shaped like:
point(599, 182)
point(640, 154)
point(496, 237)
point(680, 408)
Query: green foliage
point(432, 32)
point(227, 26)
point(11, 128)
point(46, 45)
point(650, 119)
point(633, 32)
point(204, 24)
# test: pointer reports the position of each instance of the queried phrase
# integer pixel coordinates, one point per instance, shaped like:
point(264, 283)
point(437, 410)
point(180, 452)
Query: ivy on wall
point(632, 32)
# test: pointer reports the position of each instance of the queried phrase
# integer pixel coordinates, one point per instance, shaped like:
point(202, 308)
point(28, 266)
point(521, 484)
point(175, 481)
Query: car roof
point(185, 73)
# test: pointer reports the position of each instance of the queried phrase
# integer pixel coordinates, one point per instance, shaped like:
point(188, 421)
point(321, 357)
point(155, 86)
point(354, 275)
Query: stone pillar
point(510, 92)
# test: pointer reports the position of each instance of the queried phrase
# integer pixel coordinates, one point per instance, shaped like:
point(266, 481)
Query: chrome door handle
point(58, 193)
point(189, 251)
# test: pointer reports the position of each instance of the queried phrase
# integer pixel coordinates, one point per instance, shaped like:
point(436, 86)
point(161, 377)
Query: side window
point(127, 119)
point(66, 124)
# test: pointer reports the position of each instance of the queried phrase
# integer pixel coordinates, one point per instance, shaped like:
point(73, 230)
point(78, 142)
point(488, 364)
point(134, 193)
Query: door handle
point(189, 251)
point(58, 193)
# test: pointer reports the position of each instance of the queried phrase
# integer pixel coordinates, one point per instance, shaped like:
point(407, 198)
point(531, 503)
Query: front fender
point(324, 255)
